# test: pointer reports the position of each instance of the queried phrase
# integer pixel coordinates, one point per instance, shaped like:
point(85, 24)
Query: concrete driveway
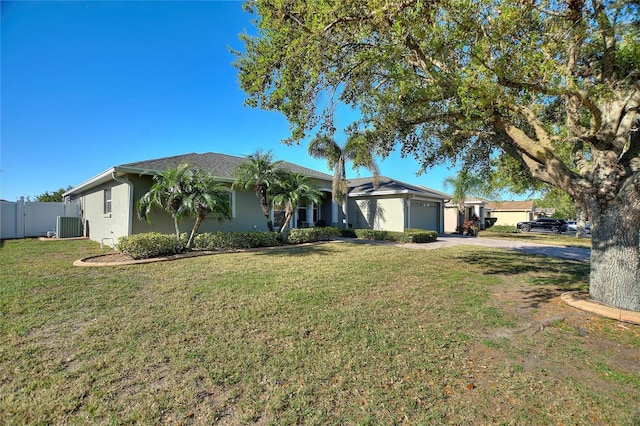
point(571, 253)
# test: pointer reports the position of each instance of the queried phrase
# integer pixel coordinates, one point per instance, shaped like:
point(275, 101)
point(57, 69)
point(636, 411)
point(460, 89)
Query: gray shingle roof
point(513, 205)
point(220, 165)
point(385, 184)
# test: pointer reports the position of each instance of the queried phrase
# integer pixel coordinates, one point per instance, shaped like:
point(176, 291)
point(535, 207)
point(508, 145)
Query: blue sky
point(90, 85)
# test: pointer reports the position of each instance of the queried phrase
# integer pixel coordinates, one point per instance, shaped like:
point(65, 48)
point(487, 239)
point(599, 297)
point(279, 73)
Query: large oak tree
point(552, 84)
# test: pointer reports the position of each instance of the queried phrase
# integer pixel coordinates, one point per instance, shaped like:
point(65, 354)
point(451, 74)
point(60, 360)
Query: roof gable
point(386, 185)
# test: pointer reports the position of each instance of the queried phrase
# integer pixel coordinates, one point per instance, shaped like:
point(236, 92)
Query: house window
point(302, 217)
point(232, 201)
point(278, 217)
point(107, 201)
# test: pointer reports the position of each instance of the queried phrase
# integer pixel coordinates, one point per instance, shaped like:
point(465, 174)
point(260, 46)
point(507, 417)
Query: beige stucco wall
point(510, 218)
point(450, 219)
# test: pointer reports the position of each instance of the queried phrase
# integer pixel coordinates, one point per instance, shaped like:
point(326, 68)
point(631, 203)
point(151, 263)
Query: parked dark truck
point(544, 224)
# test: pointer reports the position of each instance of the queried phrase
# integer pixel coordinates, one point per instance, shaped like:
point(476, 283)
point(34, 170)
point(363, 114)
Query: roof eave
point(107, 176)
point(94, 181)
point(429, 194)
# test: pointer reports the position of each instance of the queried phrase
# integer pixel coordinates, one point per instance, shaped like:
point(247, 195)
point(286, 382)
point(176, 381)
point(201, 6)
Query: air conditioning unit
point(68, 227)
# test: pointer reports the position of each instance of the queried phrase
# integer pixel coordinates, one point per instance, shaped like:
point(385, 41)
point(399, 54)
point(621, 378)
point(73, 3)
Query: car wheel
point(555, 229)
point(525, 228)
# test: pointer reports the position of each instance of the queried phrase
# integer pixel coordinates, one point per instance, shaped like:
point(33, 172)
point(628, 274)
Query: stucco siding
point(106, 227)
point(511, 218)
point(451, 219)
point(377, 213)
point(248, 215)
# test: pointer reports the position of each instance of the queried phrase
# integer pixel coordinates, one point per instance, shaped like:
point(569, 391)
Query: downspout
point(130, 210)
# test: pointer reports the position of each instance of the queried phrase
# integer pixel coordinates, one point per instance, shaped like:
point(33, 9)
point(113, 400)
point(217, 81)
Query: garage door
point(424, 215)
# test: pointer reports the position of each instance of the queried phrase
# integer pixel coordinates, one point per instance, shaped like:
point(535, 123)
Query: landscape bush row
point(503, 229)
point(153, 244)
point(408, 236)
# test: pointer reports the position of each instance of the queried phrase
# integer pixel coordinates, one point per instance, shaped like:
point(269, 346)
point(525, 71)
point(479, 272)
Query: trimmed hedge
point(408, 236)
point(372, 234)
point(236, 240)
point(309, 235)
point(420, 236)
point(348, 233)
point(503, 229)
point(152, 244)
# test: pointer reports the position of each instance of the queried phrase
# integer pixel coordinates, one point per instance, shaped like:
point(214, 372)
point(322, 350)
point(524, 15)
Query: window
point(232, 203)
point(278, 217)
point(107, 201)
point(302, 217)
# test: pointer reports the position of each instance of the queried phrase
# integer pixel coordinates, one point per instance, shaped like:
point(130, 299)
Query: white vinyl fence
point(23, 219)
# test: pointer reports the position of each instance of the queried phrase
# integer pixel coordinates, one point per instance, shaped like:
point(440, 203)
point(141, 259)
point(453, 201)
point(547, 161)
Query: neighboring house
point(476, 209)
point(512, 212)
point(109, 201)
point(394, 205)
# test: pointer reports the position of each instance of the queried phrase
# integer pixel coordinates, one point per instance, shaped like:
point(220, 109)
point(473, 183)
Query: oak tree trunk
point(615, 256)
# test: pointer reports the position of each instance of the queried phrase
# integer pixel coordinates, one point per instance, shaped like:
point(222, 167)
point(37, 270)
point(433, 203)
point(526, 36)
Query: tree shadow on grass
point(548, 277)
point(296, 251)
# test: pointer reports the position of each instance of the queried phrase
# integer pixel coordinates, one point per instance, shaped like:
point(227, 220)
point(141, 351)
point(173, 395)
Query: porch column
point(335, 219)
point(309, 218)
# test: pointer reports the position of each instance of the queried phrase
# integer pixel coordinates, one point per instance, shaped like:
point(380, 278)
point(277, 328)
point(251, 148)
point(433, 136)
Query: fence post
point(20, 218)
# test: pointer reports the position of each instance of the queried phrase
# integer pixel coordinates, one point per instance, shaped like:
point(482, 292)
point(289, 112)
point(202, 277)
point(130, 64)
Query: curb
point(580, 301)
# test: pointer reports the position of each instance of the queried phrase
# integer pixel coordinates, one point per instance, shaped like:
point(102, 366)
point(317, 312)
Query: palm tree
point(168, 192)
point(465, 185)
point(206, 197)
point(292, 190)
point(357, 150)
point(259, 172)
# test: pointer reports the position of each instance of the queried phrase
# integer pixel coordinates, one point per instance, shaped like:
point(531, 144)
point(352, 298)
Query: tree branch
point(541, 133)
point(608, 40)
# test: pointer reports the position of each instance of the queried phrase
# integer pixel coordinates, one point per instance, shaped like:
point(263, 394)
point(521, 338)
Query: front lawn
point(564, 239)
point(336, 333)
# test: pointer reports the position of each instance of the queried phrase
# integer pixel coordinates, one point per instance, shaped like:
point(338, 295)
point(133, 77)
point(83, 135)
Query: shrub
point(420, 236)
point(373, 234)
point(503, 229)
point(468, 228)
point(348, 233)
point(236, 240)
point(308, 235)
point(145, 246)
point(409, 235)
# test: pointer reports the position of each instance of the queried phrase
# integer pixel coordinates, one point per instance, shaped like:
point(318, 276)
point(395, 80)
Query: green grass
point(567, 240)
point(333, 333)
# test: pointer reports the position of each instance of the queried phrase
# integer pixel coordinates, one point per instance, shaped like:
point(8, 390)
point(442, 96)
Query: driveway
point(571, 253)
